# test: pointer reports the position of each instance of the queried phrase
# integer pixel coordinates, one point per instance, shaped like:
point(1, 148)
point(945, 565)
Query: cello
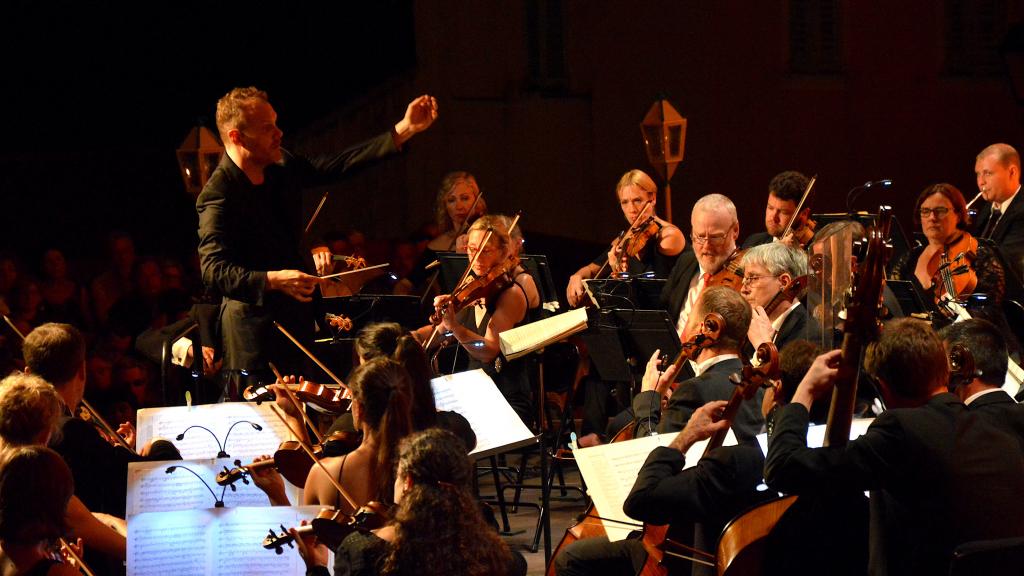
point(655, 538)
point(741, 549)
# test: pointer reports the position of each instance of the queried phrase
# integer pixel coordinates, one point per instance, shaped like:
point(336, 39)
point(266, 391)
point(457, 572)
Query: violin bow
point(310, 355)
point(800, 206)
point(13, 327)
point(451, 246)
point(79, 563)
point(295, 402)
point(623, 235)
point(316, 460)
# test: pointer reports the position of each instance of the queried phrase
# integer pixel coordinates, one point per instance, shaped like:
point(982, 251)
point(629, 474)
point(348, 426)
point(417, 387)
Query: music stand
point(909, 297)
point(350, 282)
point(622, 340)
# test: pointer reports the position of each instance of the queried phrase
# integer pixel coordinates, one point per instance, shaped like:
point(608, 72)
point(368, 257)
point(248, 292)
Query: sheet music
point(152, 489)
point(816, 433)
point(524, 339)
point(244, 442)
point(474, 395)
point(214, 542)
point(610, 470)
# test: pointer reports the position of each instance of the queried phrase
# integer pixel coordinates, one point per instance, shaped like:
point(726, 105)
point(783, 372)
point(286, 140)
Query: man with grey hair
point(774, 278)
point(714, 229)
point(1001, 220)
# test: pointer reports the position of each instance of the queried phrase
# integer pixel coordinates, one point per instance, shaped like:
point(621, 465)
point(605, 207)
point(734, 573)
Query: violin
point(634, 240)
point(730, 274)
point(655, 538)
point(291, 461)
point(801, 227)
point(479, 288)
point(351, 262)
point(327, 399)
point(954, 278)
point(339, 322)
point(331, 526)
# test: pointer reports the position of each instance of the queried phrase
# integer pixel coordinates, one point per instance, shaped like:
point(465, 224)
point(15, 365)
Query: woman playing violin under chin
point(658, 254)
point(437, 527)
point(942, 214)
point(477, 325)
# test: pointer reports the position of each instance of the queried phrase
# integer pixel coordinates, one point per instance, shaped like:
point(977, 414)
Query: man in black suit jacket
point(1001, 219)
point(775, 274)
point(939, 474)
point(713, 367)
point(251, 226)
point(982, 391)
point(784, 193)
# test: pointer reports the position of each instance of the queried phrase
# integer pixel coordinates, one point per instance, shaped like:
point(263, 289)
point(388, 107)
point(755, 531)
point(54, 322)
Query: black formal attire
point(246, 230)
point(712, 384)
point(1000, 410)
point(696, 502)
point(511, 377)
point(798, 325)
point(756, 239)
point(150, 344)
point(1007, 232)
point(100, 469)
point(673, 295)
point(939, 475)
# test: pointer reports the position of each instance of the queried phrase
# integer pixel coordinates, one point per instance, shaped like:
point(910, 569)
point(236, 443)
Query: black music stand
point(622, 340)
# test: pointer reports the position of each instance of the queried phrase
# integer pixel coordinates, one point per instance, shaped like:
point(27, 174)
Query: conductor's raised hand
point(419, 115)
point(294, 283)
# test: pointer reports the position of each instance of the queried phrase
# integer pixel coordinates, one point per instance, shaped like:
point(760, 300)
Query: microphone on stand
point(856, 191)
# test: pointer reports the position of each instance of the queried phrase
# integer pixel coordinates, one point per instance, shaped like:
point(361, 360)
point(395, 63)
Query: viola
point(794, 291)
point(730, 274)
point(291, 461)
point(479, 288)
point(801, 227)
point(331, 526)
point(954, 278)
point(655, 538)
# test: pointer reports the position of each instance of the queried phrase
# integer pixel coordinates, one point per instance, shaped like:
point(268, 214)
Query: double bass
point(741, 549)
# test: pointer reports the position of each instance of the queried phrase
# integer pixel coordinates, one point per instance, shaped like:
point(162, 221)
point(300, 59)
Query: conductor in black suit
point(252, 244)
point(784, 193)
point(939, 475)
point(1001, 219)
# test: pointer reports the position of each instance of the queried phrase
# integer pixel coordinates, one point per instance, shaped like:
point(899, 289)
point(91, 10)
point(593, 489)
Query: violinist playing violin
point(952, 258)
point(493, 303)
point(784, 193)
point(437, 528)
point(772, 277)
point(649, 245)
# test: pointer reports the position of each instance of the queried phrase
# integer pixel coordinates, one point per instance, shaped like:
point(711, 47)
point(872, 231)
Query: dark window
point(814, 37)
point(974, 29)
point(545, 46)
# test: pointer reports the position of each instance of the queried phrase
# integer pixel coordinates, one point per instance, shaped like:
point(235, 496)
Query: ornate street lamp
point(664, 133)
point(198, 157)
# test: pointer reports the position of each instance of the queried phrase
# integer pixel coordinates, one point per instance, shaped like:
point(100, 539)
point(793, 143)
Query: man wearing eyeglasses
point(714, 229)
point(784, 193)
point(772, 278)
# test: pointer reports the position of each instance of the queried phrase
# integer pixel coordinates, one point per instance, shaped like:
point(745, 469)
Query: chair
point(1003, 557)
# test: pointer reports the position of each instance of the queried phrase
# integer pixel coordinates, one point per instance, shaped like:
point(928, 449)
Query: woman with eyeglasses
point(952, 264)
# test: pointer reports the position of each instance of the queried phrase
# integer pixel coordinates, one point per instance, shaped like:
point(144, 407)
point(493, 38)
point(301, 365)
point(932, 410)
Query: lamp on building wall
point(198, 156)
point(1011, 49)
point(664, 133)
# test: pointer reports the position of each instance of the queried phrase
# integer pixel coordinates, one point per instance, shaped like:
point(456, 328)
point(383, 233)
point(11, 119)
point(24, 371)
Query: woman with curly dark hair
point(437, 527)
